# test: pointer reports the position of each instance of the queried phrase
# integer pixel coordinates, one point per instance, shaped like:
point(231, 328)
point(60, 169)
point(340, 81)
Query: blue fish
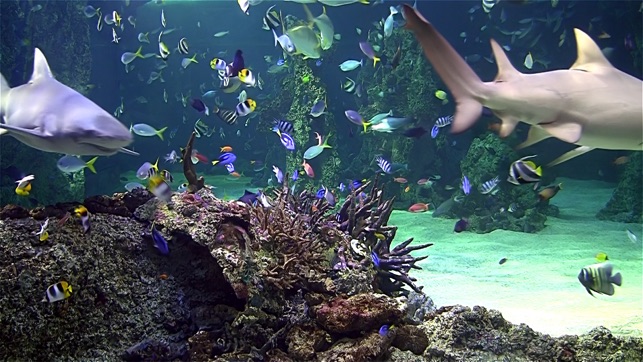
point(281, 62)
point(444, 121)
point(248, 197)
point(376, 259)
point(295, 175)
point(466, 185)
point(320, 193)
point(356, 184)
point(282, 126)
point(287, 141)
point(342, 187)
point(384, 330)
point(318, 63)
point(225, 158)
point(434, 131)
point(159, 241)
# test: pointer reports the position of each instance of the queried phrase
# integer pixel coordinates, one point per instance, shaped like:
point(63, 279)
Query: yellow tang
point(601, 257)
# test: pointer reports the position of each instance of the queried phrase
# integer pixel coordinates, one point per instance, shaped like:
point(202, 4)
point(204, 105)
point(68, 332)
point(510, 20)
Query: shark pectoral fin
point(569, 132)
point(569, 155)
point(535, 135)
point(128, 152)
point(508, 124)
point(21, 131)
point(467, 113)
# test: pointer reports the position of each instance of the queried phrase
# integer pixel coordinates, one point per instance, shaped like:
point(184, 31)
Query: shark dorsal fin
point(506, 70)
point(40, 67)
point(589, 58)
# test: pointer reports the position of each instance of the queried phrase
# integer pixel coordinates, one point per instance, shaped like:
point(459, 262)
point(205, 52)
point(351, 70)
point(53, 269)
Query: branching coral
point(194, 183)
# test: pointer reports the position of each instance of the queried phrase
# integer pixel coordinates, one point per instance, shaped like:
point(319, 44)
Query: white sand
point(538, 284)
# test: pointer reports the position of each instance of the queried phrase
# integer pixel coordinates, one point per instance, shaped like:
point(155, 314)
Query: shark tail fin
point(4, 97)
point(463, 83)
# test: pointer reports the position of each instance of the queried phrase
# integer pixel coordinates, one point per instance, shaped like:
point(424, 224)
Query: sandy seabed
point(538, 284)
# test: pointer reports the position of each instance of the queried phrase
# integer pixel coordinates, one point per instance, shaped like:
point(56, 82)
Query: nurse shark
point(592, 104)
point(49, 116)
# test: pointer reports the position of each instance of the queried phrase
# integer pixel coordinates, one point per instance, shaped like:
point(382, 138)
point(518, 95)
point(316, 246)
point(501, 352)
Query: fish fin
point(364, 2)
point(507, 126)
point(569, 155)
point(160, 134)
point(506, 70)
point(463, 83)
point(4, 96)
point(589, 58)
point(535, 135)
point(309, 15)
point(40, 67)
point(569, 132)
point(90, 164)
point(617, 279)
point(128, 152)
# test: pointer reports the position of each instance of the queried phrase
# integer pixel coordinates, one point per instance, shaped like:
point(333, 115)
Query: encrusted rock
point(362, 312)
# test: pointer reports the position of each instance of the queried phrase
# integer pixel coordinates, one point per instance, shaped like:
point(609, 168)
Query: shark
point(592, 104)
point(50, 116)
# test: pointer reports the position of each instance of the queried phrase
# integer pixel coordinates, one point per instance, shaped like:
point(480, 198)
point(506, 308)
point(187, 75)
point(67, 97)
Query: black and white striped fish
point(522, 172)
point(487, 5)
point(385, 165)
point(283, 126)
point(272, 19)
point(183, 46)
point(226, 115)
point(599, 278)
point(348, 85)
point(490, 187)
point(443, 121)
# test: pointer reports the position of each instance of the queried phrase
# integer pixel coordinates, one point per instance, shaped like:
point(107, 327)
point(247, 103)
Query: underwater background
point(514, 248)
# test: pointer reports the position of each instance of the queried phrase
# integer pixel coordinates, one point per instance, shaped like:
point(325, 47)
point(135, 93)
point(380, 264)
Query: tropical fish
point(143, 172)
point(572, 105)
point(348, 85)
point(522, 172)
point(390, 21)
point(356, 118)
point(287, 141)
point(244, 5)
point(145, 130)
point(133, 185)
point(443, 121)
point(384, 165)
point(221, 34)
point(160, 188)
point(43, 233)
point(159, 241)
point(341, 2)
point(490, 187)
point(325, 26)
point(318, 108)
point(71, 164)
point(285, 42)
point(390, 124)
point(631, 236)
point(601, 257)
point(199, 106)
point(225, 158)
point(278, 174)
point(72, 125)
point(272, 19)
point(245, 108)
point(82, 213)
point(23, 187)
point(461, 225)
point(314, 151)
point(308, 169)
point(349, 65)
point(185, 62)
point(282, 126)
point(548, 192)
point(183, 46)
point(367, 49)
point(305, 41)
point(226, 115)
point(247, 77)
point(418, 207)
point(466, 185)
point(57, 292)
point(442, 95)
point(599, 278)
point(143, 38)
point(89, 11)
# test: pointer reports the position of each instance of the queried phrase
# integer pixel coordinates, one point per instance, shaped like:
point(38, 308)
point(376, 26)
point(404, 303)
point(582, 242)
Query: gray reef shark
point(48, 115)
point(592, 104)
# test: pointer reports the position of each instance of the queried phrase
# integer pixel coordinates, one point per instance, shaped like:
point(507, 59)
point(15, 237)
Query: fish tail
point(366, 124)
point(463, 83)
point(617, 279)
point(160, 133)
point(138, 52)
point(90, 164)
point(375, 60)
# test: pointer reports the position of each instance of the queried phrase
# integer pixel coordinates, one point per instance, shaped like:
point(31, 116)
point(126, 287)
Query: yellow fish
point(57, 292)
point(82, 212)
point(601, 257)
point(442, 95)
point(24, 185)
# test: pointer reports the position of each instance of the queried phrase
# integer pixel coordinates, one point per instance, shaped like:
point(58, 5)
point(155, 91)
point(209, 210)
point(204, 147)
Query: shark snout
point(106, 132)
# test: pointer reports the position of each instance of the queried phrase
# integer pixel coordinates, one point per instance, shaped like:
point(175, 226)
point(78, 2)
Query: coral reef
point(626, 203)
point(283, 280)
point(487, 158)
